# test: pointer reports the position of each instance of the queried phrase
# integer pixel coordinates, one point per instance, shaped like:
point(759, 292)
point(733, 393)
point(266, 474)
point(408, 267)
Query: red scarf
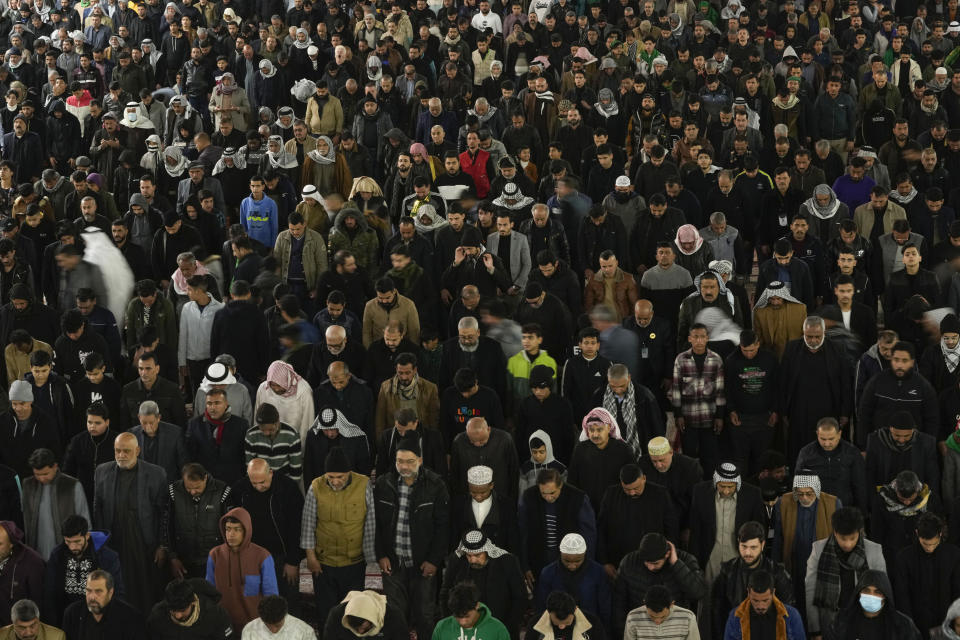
point(219, 424)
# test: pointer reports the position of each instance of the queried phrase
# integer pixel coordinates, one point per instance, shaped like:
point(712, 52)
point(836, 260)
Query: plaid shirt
point(308, 524)
point(403, 542)
point(698, 397)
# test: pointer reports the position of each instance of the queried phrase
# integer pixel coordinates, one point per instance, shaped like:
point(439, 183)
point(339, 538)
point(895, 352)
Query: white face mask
point(131, 116)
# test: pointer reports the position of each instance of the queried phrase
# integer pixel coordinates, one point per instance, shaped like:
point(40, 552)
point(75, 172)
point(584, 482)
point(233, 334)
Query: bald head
point(125, 450)
point(643, 312)
point(260, 474)
point(335, 332)
point(478, 431)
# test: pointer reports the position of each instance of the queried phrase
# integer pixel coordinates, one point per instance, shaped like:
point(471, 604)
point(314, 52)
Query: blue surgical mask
point(871, 603)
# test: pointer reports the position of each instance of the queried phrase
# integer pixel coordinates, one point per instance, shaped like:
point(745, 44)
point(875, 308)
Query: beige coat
point(314, 256)
point(863, 217)
point(375, 320)
point(329, 122)
point(240, 117)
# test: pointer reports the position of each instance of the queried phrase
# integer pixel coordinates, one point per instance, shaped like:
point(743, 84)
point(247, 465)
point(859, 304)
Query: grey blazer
point(519, 256)
point(172, 452)
point(819, 619)
point(152, 499)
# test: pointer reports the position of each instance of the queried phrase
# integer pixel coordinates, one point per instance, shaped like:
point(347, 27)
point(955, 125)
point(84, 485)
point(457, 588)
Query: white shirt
point(846, 318)
point(292, 629)
point(481, 510)
point(492, 20)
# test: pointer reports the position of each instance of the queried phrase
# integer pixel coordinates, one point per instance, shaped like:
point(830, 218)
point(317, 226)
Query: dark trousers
point(750, 440)
point(415, 595)
point(703, 445)
point(197, 369)
point(332, 585)
point(290, 592)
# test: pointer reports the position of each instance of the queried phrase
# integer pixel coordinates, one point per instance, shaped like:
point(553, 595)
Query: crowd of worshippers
point(480, 320)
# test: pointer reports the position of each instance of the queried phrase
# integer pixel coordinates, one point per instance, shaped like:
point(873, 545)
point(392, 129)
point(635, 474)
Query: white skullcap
point(623, 181)
point(573, 543)
point(479, 475)
point(659, 446)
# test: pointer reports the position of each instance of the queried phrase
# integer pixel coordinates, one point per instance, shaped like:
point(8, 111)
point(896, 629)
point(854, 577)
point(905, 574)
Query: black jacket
point(429, 519)
point(487, 361)
point(863, 321)
point(286, 508)
point(885, 394)
point(801, 281)
point(120, 622)
point(842, 472)
point(927, 583)
point(894, 625)
point(18, 441)
point(500, 526)
point(564, 284)
point(556, 417)
point(223, 460)
point(703, 516)
point(211, 625)
point(98, 554)
point(241, 330)
point(730, 588)
point(901, 287)
point(684, 579)
point(500, 583)
point(356, 401)
point(84, 454)
point(39, 320)
point(581, 379)
point(164, 392)
point(317, 447)
point(883, 463)
point(554, 318)
point(652, 511)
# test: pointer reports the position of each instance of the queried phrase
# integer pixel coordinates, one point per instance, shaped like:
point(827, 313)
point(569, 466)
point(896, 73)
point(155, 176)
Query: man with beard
point(495, 572)
point(582, 578)
point(710, 294)
point(658, 223)
point(576, 137)
point(730, 588)
point(633, 499)
point(778, 317)
point(473, 351)
point(344, 276)
point(102, 614)
point(133, 253)
point(473, 265)
point(129, 499)
point(336, 347)
point(799, 518)
point(192, 520)
point(896, 446)
point(410, 549)
point(486, 509)
point(901, 387)
point(813, 384)
point(190, 610)
point(81, 552)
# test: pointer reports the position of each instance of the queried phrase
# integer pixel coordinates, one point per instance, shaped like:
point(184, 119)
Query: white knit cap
point(479, 475)
point(573, 543)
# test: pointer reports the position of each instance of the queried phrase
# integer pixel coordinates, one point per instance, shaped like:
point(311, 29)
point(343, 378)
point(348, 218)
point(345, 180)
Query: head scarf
point(332, 418)
point(827, 211)
point(476, 541)
point(281, 159)
point(418, 149)
point(727, 472)
point(688, 233)
point(807, 479)
point(282, 374)
point(267, 70)
point(599, 414)
point(775, 289)
point(180, 163)
point(721, 268)
point(951, 357)
point(319, 158)
point(306, 43)
point(225, 90)
point(239, 161)
point(947, 627)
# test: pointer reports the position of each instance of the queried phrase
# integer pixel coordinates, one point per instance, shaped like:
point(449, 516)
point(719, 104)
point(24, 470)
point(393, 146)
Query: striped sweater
point(681, 624)
point(283, 451)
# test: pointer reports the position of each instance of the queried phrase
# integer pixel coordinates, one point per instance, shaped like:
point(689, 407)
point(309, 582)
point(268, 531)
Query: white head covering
point(573, 543)
point(775, 289)
point(479, 475)
point(727, 472)
point(330, 418)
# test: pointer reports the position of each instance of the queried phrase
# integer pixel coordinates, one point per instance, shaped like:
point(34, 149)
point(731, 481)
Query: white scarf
point(319, 158)
point(950, 356)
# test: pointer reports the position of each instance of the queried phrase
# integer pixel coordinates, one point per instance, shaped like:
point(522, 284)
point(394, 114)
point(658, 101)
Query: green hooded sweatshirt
point(487, 628)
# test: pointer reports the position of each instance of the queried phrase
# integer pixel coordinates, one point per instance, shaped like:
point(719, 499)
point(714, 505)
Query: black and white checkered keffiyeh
point(475, 541)
point(809, 480)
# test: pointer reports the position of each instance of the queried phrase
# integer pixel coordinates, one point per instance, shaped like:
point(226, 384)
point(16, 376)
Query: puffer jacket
point(362, 243)
point(63, 133)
